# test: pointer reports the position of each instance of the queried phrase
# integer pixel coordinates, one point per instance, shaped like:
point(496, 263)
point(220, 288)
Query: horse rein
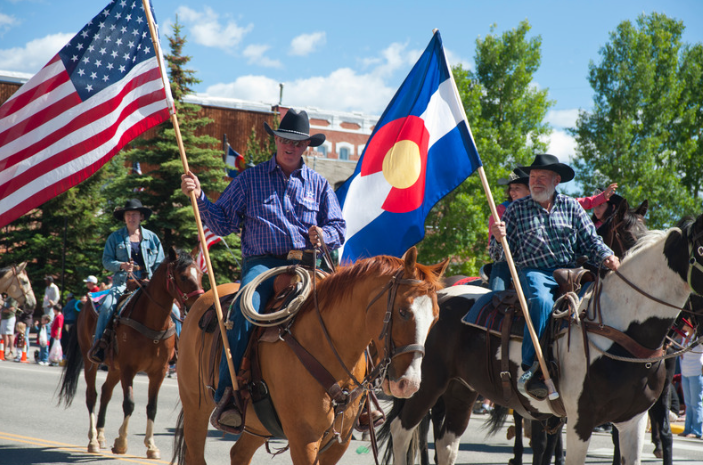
point(180, 296)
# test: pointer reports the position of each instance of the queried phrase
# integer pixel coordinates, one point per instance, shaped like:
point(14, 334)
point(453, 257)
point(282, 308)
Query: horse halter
point(181, 297)
point(16, 277)
point(390, 350)
point(693, 261)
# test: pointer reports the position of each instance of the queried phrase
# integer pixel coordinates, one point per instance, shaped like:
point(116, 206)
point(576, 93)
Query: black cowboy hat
point(615, 199)
point(550, 162)
point(516, 176)
point(296, 126)
point(132, 205)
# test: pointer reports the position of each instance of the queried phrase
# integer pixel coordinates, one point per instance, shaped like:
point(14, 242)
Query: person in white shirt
point(51, 296)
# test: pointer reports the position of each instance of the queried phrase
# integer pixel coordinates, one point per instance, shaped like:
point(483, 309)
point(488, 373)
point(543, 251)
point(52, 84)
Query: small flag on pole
point(420, 150)
point(233, 159)
point(103, 89)
point(210, 239)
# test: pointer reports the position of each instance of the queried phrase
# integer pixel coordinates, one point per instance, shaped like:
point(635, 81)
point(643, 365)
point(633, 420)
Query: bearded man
point(545, 230)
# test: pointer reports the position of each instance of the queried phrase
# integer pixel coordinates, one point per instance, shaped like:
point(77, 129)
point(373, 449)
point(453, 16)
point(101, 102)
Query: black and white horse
point(605, 383)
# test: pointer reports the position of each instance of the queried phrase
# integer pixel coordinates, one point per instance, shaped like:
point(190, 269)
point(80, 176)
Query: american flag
point(210, 239)
point(102, 90)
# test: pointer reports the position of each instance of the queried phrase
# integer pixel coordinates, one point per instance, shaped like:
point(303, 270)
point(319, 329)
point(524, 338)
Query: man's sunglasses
point(294, 143)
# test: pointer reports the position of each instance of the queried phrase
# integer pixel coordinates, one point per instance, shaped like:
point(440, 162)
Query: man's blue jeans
point(500, 276)
point(238, 336)
point(693, 395)
point(540, 289)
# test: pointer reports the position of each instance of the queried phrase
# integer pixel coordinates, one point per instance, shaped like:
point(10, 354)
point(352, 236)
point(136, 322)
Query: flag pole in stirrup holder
point(553, 394)
point(196, 211)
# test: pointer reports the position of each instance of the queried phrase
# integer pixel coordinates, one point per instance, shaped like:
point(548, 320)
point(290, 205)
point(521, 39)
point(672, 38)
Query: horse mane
point(183, 260)
point(648, 240)
point(336, 287)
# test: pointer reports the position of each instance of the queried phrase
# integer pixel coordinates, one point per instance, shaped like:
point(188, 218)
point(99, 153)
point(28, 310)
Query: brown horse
point(14, 282)
point(144, 338)
point(353, 304)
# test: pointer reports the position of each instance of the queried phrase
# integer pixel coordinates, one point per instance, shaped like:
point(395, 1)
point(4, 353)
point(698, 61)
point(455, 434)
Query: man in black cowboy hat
point(131, 250)
point(285, 208)
point(546, 230)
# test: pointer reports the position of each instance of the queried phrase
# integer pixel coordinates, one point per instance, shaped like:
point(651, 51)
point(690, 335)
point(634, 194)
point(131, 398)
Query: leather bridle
point(181, 297)
point(15, 276)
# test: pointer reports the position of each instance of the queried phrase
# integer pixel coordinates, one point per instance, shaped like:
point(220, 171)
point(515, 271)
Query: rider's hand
point(315, 234)
point(190, 183)
point(610, 190)
point(127, 266)
point(498, 230)
point(612, 262)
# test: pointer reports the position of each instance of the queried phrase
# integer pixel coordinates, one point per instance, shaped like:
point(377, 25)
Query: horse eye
point(404, 313)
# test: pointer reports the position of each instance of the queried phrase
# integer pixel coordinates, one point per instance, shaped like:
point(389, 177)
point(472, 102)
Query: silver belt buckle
point(295, 255)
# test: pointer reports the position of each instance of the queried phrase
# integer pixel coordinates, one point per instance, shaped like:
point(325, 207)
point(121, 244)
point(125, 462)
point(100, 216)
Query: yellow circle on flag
point(402, 164)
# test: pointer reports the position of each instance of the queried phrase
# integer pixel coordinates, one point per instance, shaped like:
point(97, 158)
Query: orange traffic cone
point(2, 351)
point(24, 356)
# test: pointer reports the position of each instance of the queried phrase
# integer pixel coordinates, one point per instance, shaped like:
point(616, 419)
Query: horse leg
point(631, 439)
point(91, 397)
point(243, 450)
point(575, 447)
point(120, 445)
point(113, 377)
point(518, 447)
point(539, 444)
point(335, 452)
point(458, 401)
point(155, 381)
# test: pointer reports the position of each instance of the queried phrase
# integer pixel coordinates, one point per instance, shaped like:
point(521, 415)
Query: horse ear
point(623, 208)
point(410, 259)
point(172, 254)
point(440, 267)
point(21, 267)
point(195, 251)
point(642, 209)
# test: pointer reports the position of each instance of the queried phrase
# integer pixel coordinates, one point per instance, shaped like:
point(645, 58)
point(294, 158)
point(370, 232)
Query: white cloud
point(207, 29)
point(562, 145)
point(391, 59)
point(255, 55)
point(453, 60)
point(6, 23)
point(35, 54)
point(563, 118)
point(305, 44)
point(342, 89)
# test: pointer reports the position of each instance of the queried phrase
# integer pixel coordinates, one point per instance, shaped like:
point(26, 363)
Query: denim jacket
point(118, 250)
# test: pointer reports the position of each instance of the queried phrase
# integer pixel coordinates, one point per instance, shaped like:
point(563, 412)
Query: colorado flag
point(420, 150)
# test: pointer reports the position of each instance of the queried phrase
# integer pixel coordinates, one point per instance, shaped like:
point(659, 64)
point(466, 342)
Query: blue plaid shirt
point(549, 239)
point(276, 213)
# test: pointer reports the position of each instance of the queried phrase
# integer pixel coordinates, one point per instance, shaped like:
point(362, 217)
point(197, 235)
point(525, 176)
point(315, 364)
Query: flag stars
point(106, 78)
point(93, 75)
point(128, 17)
point(122, 68)
point(86, 60)
point(123, 3)
point(96, 36)
point(89, 88)
point(143, 34)
point(118, 16)
point(91, 48)
point(108, 39)
point(130, 44)
point(74, 58)
point(147, 50)
point(140, 20)
point(101, 25)
point(81, 72)
point(103, 51)
point(84, 34)
point(123, 30)
point(126, 56)
point(118, 42)
point(110, 66)
point(114, 54)
point(106, 12)
point(135, 32)
point(98, 63)
point(79, 47)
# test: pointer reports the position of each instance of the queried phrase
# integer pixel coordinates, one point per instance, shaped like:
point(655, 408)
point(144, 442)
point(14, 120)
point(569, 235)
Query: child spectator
point(56, 328)
point(43, 340)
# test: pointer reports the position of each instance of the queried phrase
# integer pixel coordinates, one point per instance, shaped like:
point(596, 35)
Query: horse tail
point(497, 419)
point(71, 370)
point(384, 434)
point(179, 442)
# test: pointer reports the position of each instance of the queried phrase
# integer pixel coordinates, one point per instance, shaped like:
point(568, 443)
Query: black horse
point(473, 363)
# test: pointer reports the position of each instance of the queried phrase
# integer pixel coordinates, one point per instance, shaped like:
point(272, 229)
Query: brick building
point(346, 132)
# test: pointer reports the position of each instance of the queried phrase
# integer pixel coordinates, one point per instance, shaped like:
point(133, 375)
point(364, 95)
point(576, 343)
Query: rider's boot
point(96, 354)
point(532, 382)
point(226, 417)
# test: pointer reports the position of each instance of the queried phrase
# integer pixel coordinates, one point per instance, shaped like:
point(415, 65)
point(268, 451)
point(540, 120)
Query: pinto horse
point(15, 282)
point(144, 341)
point(605, 383)
point(357, 305)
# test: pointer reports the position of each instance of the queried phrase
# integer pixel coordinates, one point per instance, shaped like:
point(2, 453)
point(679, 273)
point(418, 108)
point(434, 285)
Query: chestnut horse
point(144, 341)
point(605, 383)
point(356, 303)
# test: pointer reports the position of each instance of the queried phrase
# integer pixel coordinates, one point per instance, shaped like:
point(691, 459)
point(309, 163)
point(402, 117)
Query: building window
point(322, 150)
point(344, 153)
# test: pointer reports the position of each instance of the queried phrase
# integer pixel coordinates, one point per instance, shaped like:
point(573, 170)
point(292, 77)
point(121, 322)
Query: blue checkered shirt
point(549, 239)
point(275, 212)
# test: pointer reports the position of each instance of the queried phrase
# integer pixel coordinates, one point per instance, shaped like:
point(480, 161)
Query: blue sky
point(349, 56)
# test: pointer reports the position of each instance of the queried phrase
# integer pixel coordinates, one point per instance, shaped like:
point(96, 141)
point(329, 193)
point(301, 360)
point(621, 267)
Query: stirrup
point(96, 354)
point(227, 407)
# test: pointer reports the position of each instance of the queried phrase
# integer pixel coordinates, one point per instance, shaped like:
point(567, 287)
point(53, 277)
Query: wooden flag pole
point(196, 210)
point(553, 394)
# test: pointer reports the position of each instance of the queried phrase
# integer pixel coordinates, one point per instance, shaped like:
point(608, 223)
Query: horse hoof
point(119, 450)
point(153, 454)
point(103, 444)
point(94, 447)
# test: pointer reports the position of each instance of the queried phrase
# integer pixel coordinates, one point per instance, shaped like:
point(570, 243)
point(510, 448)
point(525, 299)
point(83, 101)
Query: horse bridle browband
point(181, 296)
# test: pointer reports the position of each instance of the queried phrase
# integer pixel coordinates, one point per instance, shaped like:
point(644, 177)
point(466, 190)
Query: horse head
point(15, 283)
point(184, 281)
point(411, 312)
point(624, 227)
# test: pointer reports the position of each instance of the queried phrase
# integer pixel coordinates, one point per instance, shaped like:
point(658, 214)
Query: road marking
point(15, 438)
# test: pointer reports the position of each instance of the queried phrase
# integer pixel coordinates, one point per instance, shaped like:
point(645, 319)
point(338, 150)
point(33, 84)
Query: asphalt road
point(34, 430)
